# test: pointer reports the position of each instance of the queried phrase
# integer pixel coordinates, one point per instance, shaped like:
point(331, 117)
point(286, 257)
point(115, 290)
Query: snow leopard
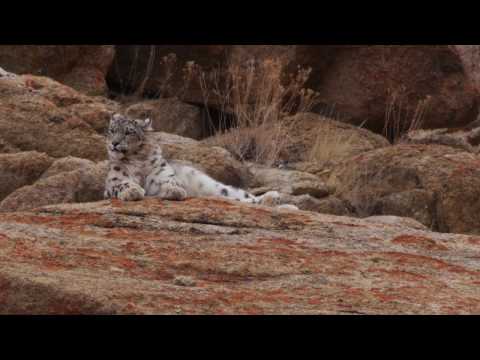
point(137, 169)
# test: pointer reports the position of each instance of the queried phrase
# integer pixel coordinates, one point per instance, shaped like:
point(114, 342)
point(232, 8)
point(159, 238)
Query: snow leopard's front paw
point(271, 198)
point(132, 192)
point(174, 192)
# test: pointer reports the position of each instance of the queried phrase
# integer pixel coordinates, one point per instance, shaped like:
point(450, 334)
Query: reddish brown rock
point(81, 67)
point(433, 184)
point(20, 169)
point(361, 81)
point(206, 256)
point(470, 55)
point(171, 116)
point(37, 113)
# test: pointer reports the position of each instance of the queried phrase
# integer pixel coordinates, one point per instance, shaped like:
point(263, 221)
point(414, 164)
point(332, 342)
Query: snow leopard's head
point(125, 135)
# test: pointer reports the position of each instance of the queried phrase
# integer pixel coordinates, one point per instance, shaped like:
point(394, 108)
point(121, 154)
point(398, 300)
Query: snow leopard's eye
point(130, 131)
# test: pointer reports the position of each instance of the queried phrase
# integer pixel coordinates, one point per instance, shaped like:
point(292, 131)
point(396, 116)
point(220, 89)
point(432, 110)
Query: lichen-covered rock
point(433, 184)
point(20, 169)
point(211, 256)
point(81, 67)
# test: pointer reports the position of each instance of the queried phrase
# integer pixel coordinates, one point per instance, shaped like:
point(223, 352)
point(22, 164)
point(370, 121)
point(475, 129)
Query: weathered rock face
point(168, 75)
point(436, 185)
point(39, 114)
point(206, 256)
point(360, 81)
point(171, 116)
point(130, 71)
point(290, 182)
point(470, 55)
point(463, 138)
point(17, 170)
point(82, 67)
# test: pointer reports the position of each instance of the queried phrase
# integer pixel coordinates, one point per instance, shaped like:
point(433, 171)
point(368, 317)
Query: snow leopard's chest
point(138, 170)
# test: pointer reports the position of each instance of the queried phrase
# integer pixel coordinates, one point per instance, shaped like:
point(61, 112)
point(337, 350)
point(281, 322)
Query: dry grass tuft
point(330, 144)
point(260, 95)
point(398, 120)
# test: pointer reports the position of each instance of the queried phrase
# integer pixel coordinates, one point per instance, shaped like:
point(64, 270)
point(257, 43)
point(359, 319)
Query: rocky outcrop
point(20, 169)
point(161, 70)
point(470, 55)
point(40, 114)
point(84, 184)
point(362, 82)
point(171, 116)
point(289, 182)
point(82, 67)
point(466, 139)
point(433, 184)
point(206, 256)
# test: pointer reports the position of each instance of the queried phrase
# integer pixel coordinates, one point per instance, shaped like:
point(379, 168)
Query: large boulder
point(68, 180)
point(470, 55)
point(82, 67)
point(210, 256)
point(179, 70)
point(363, 82)
point(159, 70)
point(20, 169)
point(37, 113)
point(436, 185)
point(171, 116)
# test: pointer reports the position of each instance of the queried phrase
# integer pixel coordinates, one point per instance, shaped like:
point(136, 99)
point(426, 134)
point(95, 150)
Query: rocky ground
point(384, 228)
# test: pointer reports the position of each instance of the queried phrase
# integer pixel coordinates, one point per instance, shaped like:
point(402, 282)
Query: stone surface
point(20, 169)
point(433, 184)
point(83, 184)
point(127, 258)
point(289, 182)
point(37, 113)
point(360, 81)
point(171, 116)
point(81, 67)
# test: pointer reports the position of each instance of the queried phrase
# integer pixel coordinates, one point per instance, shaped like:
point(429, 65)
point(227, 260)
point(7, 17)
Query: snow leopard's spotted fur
point(138, 169)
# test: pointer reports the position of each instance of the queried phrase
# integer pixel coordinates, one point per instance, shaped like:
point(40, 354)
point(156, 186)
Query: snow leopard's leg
point(163, 182)
point(119, 185)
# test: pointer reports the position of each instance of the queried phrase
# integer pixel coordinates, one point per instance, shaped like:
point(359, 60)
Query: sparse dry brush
point(261, 95)
point(399, 120)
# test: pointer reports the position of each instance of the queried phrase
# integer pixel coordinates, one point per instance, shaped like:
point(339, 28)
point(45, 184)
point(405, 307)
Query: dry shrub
point(260, 95)
point(398, 120)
